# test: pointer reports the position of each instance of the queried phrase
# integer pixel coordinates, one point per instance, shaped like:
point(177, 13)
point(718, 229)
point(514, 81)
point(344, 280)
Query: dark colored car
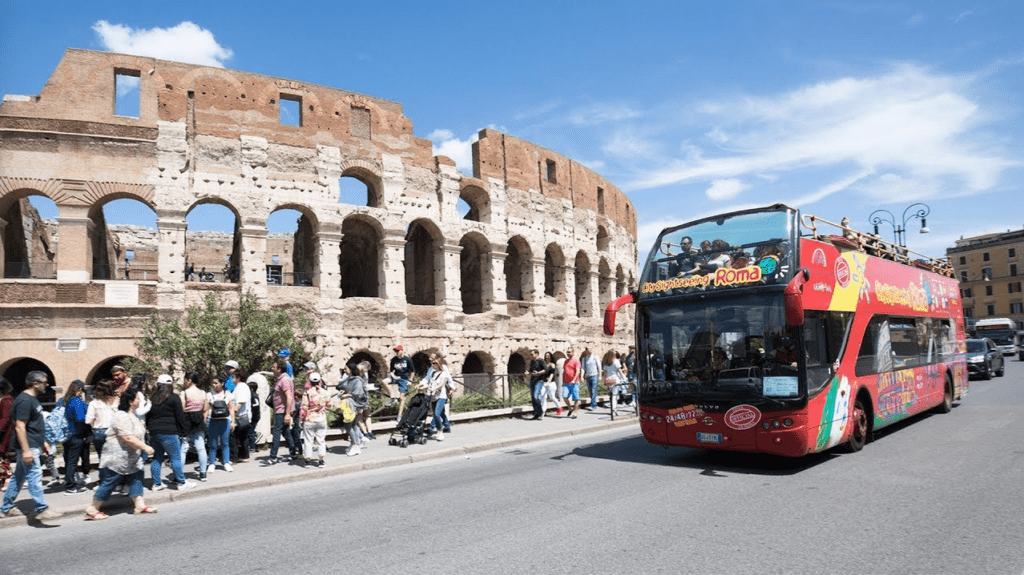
point(984, 358)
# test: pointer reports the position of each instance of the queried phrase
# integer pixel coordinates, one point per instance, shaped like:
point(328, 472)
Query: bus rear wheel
point(859, 434)
point(947, 398)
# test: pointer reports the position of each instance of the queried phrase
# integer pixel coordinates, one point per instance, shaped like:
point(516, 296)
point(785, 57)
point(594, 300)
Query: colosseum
point(543, 245)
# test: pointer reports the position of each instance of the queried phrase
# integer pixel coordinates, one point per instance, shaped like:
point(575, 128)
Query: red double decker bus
point(754, 336)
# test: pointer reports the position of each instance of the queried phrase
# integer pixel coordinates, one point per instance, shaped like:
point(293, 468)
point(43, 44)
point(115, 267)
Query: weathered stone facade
point(547, 243)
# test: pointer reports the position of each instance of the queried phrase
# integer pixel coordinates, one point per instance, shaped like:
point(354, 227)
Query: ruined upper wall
point(527, 166)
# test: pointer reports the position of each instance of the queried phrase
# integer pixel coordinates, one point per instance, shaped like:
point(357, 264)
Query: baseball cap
point(309, 366)
point(284, 353)
point(164, 378)
point(314, 377)
point(398, 348)
point(232, 363)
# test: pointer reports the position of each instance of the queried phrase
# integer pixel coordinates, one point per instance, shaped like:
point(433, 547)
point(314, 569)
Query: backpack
point(57, 430)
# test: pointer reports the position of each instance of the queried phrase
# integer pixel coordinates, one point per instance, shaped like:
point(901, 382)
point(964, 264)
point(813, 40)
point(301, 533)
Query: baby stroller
point(411, 428)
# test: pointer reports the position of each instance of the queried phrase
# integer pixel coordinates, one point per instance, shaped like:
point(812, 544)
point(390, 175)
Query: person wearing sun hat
point(230, 369)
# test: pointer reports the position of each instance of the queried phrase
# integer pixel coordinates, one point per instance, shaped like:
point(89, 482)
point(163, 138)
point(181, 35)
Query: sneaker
point(321, 463)
point(202, 476)
point(353, 451)
point(228, 468)
point(370, 436)
point(75, 490)
point(391, 401)
point(439, 436)
point(54, 482)
point(44, 515)
point(185, 486)
point(447, 430)
point(159, 487)
point(210, 469)
point(559, 412)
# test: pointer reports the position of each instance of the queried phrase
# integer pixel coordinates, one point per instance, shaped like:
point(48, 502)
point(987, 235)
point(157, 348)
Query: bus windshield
point(719, 351)
point(742, 249)
point(997, 333)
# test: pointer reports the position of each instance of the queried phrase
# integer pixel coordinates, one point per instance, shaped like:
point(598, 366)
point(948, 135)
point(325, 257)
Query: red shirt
point(571, 371)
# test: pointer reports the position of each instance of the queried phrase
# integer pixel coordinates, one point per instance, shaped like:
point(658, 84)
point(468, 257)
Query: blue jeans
point(99, 437)
point(537, 391)
point(592, 386)
point(170, 445)
point(32, 473)
point(218, 430)
point(109, 479)
point(440, 420)
point(198, 439)
point(279, 429)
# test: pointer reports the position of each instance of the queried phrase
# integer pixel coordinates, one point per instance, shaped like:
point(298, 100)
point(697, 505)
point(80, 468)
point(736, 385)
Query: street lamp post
point(900, 229)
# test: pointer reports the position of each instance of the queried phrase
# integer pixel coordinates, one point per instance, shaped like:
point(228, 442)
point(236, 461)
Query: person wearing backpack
point(222, 423)
point(195, 405)
point(57, 432)
point(76, 447)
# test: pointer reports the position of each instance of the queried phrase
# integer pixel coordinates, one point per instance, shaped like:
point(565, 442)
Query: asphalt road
point(940, 494)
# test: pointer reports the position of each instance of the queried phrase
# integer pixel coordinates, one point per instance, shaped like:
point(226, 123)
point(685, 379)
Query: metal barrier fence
point(491, 391)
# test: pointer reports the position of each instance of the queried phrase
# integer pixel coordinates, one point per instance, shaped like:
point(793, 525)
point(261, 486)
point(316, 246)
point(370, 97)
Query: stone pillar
point(568, 290)
point(535, 290)
point(392, 270)
point(496, 278)
point(327, 271)
point(171, 250)
point(254, 255)
point(74, 256)
point(448, 276)
point(593, 287)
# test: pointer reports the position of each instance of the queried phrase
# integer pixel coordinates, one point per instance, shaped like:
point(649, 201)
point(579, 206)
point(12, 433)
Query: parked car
point(984, 358)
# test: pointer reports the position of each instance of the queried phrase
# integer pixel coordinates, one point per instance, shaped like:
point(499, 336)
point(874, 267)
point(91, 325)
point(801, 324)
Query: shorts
point(571, 391)
point(403, 385)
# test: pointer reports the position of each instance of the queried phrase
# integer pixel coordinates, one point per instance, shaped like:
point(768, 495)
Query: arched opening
point(375, 364)
point(554, 272)
point(477, 204)
point(603, 239)
point(474, 266)
point(517, 363)
point(30, 237)
point(422, 260)
point(477, 362)
point(620, 281)
point(16, 370)
point(213, 245)
point(518, 270)
point(605, 284)
point(583, 295)
point(359, 259)
point(124, 240)
point(359, 187)
point(292, 248)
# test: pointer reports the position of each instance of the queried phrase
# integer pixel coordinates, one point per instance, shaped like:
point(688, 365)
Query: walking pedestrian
point(591, 372)
point(100, 412)
point(193, 401)
point(284, 403)
point(313, 419)
point(122, 458)
point(550, 389)
point(437, 386)
point(402, 369)
point(243, 421)
point(166, 425)
point(221, 424)
point(76, 448)
point(571, 374)
point(353, 390)
point(538, 374)
point(29, 445)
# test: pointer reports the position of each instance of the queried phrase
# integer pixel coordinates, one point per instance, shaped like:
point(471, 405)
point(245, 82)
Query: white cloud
point(185, 42)
point(602, 113)
point(909, 123)
point(446, 144)
point(725, 189)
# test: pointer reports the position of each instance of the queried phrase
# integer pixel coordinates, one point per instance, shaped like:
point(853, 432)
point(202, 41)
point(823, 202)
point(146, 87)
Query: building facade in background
point(544, 244)
point(990, 269)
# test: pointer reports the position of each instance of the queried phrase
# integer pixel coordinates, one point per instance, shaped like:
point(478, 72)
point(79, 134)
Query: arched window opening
point(359, 259)
point(124, 241)
point(473, 264)
point(102, 371)
point(605, 285)
point(554, 273)
point(474, 204)
point(292, 249)
point(213, 245)
point(517, 364)
point(583, 295)
point(375, 364)
point(16, 370)
point(518, 270)
point(359, 187)
point(603, 239)
point(421, 255)
point(30, 238)
point(620, 282)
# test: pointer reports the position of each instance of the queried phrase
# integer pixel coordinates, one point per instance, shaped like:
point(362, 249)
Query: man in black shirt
point(538, 374)
point(29, 442)
point(402, 369)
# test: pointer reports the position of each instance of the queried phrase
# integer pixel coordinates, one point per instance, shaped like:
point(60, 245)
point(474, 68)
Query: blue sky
point(691, 108)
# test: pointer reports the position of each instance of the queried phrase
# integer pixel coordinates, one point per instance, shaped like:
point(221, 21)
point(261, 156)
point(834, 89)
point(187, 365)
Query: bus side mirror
point(612, 310)
point(794, 298)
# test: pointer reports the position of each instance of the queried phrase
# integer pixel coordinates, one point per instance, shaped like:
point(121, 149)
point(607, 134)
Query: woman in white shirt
point(437, 386)
point(222, 422)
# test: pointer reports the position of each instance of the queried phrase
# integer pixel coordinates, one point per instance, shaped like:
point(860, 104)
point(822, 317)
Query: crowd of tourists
point(131, 424)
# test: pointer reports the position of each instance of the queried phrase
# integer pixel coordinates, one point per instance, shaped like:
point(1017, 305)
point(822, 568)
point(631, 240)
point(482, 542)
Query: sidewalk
point(465, 438)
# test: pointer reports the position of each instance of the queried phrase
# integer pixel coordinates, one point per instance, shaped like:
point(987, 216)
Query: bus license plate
point(709, 437)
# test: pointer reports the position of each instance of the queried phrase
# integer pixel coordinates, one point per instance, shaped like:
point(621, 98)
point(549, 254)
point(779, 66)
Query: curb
point(169, 496)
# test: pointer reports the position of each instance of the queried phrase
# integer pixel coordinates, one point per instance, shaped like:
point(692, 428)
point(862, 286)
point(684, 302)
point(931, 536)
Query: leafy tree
point(206, 337)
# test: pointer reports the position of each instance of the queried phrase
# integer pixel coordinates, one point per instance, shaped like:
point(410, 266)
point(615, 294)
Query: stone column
point(535, 290)
point(568, 289)
point(590, 298)
point(448, 279)
point(392, 270)
point(327, 271)
point(254, 255)
point(74, 254)
point(496, 278)
point(171, 250)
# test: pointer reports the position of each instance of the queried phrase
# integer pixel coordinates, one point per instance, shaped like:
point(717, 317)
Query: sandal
point(145, 510)
point(97, 516)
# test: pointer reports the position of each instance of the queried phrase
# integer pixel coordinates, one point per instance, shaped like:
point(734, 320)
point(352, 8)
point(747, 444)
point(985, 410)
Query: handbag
point(348, 414)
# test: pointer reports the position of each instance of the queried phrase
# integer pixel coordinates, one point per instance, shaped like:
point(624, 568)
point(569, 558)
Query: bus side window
point(904, 338)
point(824, 338)
point(876, 349)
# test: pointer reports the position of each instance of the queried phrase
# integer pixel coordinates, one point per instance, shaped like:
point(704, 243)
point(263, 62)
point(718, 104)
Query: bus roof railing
point(871, 244)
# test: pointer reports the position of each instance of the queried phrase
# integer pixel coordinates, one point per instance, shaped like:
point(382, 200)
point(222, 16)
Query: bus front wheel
point(859, 434)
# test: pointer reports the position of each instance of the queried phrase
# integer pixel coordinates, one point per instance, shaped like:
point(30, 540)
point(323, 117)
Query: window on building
point(551, 173)
point(1011, 253)
point(1013, 270)
point(359, 122)
point(986, 273)
point(1014, 287)
point(966, 293)
point(290, 110)
point(988, 290)
point(1016, 307)
point(126, 90)
point(968, 312)
point(963, 276)
point(963, 260)
point(600, 200)
point(990, 309)
point(984, 256)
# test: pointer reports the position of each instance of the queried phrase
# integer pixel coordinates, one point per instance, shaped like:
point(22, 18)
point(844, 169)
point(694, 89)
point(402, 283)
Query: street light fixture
point(900, 229)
